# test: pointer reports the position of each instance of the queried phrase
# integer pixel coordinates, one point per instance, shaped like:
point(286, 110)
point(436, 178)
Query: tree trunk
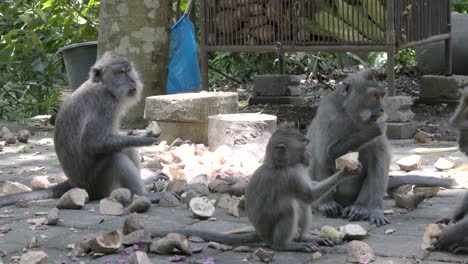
point(139, 30)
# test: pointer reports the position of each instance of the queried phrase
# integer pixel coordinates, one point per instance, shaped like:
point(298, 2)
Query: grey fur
point(277, 198)
point(339, 128)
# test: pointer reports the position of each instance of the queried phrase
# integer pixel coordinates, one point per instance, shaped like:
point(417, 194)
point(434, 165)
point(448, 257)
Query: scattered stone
point(53, 216)
point(331, 233)
point(153, 165)
point(219, 247)
point(225, 201)
point(242, 249)
point(23, 136)
point(421, 138)
point(443, 164)
point(177, 186)
point(41, 183)
point(410, 163)
point(154, 129)
point(199, 188)
point(172, 241)
point(238, 188)
point(14, 187)
point(34, 257)
point(45, 141)
point(428, 191)
point(202, 178)
point(264, 255)
point(168, 200)
point(138, 257)
point(359, 252)
point(429, 231)
point(122, 195)
point(2, 145)
point(73, 199)
point(316, 255)
point(237, 208)
point(81, 250)
point(110, 206)
point(177, 142)
point(140, 204)
point(23, 149)
point(132, 224)
point(232, 179)
point(107, 243)
point(219, 186)
point(4, 131)
point(202, 207)
point(350, 160)
point(410, 200)
point(34, 243)
point(187, 196)
point(135, 237)
point(353, 232)
point(9, 138)
point(389, 231)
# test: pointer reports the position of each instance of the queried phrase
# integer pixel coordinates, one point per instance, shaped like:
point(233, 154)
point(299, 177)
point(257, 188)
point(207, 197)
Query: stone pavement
point(403, 246)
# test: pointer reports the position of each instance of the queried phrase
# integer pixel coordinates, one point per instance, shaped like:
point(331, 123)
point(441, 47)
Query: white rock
point(350, 160)
point(154, 128)
point(107, 243)
point(73, 199)
point(353, 232)
point(34, 257)
point(110, 206)
point(202, 207)
point(53, 216)
point(14, 187)
point(359, 252)
point(443, 164)
point(410, 163)
point(41, 183)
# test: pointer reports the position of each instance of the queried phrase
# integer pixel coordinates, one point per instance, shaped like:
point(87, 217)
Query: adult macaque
point(454, 238)
point(91, 152)
point(277, 198)
point(352, 119)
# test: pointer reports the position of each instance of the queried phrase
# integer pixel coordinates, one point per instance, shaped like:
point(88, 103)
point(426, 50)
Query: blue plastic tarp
point(184, 68)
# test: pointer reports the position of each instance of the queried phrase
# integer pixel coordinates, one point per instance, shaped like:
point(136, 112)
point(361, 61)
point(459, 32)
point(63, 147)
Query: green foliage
point(32, 31)
point(405, 60)
point(460, 6)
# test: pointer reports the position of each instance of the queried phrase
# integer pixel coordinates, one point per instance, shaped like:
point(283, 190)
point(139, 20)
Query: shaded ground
point(403, 246)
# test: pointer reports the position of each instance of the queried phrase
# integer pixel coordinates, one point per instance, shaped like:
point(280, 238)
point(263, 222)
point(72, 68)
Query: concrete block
point(278, 100)
point(398, 108)
point(197, 132)
point(189, 107)
point(442, 87)
point(401, 130)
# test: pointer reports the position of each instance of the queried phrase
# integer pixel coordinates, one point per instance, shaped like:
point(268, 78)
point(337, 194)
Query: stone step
point(442, 87)
point(277, 100)
point(401, 130)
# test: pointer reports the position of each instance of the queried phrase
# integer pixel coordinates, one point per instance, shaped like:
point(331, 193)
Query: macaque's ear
point(96, 74)
point(344, 88)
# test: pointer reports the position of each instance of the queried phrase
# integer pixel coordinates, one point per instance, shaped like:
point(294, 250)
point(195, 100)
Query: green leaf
point(47, 4)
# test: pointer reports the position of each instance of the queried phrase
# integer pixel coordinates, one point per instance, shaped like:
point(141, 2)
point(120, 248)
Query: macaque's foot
point(378, 218)
point(317, 241)
point(355, 213)
point(331, 209)
point(448, 241)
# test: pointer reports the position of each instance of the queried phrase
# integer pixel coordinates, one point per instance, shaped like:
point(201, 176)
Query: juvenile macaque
point(92, 153)
point(277, 198)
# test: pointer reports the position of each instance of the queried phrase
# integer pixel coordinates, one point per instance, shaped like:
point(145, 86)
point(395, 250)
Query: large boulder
point(430, 58)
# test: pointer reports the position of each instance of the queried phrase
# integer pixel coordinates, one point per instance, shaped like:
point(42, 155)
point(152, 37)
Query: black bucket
point(78, 60)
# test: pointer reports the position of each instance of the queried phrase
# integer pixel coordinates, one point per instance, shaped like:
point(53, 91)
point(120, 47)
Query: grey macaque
point(277, 198)
point(92, 153)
